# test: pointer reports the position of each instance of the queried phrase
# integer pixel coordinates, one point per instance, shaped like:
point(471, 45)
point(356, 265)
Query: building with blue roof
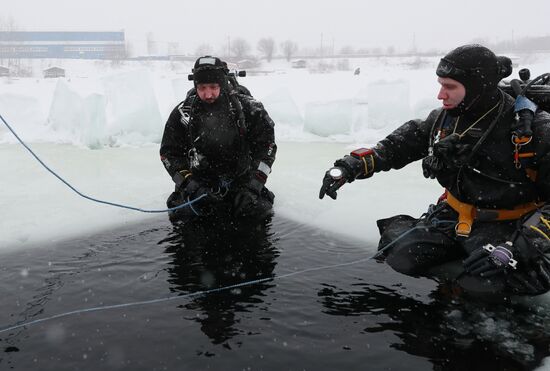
point(56, 44)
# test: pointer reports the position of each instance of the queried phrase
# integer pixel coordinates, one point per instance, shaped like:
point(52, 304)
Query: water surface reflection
point(207, 256)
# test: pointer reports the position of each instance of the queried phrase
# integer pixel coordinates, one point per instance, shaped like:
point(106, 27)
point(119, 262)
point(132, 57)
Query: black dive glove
point(358, 165)
point(530, 249)
point(445, 153)
point(533, 247)
point(181, 178)
point(190, 186)
point(193, 189)
point(432, 166)
point(247, 198)
point(489, 260)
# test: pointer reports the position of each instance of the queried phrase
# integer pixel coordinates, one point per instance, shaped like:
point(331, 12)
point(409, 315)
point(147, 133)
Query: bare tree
point(480, 40)
point(129, 46)
point(151, 44)
point(376, 50)
point(3, 45)
point(267, 47)
point(240, 48)
point(204, 49)
point(221, 51)
point(289, 48)
point(173, 48)
point(8, 24)
point(347, 50)
point(116, 55)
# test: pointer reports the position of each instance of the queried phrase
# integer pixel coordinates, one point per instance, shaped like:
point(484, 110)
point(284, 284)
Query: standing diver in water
point(219, 143)
point(495, 167)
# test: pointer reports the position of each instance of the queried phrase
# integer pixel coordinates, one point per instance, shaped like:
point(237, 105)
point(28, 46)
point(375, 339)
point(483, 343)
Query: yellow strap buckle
point(463, 229)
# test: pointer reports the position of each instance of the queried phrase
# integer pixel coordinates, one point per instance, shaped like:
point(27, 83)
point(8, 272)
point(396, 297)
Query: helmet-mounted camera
point(208, 69)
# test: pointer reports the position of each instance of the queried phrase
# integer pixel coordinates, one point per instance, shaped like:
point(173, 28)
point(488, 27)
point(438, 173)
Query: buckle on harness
point(184, 112)
point(463, 229)
point(519, 142)
point(468, 213)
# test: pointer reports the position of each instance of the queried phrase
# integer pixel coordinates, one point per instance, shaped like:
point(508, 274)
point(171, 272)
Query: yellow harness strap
point(468, 213)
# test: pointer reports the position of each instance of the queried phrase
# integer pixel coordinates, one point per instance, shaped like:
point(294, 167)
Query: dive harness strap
point(468, 213)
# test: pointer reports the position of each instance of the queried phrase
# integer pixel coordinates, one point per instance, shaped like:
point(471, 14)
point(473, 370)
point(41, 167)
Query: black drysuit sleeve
point(406, 144)
point(174, 147)
point(260, 133)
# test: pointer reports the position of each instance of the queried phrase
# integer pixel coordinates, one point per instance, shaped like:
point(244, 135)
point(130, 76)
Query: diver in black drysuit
point(219, 144)
point(493, 217)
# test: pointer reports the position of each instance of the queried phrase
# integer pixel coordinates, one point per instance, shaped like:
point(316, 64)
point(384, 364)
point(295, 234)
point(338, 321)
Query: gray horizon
point(186, 25)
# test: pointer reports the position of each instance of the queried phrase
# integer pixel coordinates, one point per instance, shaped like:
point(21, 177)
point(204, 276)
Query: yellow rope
point(541, 232)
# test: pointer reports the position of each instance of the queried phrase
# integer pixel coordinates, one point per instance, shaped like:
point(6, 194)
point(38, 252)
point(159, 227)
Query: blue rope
point(179, 297)
point(189, 203)
point(207, 292)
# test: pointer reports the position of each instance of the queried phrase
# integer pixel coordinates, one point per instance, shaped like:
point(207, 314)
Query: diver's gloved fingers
point(473, 263)
point(327, 181)
point(491, 272)
point(485, 266)
point(330, 186)
point(477, 255)
point(334, 187)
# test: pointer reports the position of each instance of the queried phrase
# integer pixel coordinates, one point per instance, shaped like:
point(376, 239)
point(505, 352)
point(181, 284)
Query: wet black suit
point(227, 157)
point(485, 176)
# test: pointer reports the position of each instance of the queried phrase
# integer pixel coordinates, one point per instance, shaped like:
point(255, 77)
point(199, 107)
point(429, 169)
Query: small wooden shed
point(54, 72)
point(4, 71)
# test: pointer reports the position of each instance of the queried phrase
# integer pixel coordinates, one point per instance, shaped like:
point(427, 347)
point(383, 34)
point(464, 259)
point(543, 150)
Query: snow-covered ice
point(100, 129)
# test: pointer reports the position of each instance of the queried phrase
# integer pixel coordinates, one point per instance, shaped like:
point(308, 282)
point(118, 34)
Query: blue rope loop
point(188, 203)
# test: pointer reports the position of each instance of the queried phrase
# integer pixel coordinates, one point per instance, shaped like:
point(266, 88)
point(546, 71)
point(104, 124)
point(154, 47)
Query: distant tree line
point(239, 48)
point(522, 45)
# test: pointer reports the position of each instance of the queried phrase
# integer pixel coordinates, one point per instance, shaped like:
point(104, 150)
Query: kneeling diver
point(497, 185)
point(220, 144)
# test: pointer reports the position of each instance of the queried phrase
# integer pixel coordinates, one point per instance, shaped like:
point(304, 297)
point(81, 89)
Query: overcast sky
point(441, 24)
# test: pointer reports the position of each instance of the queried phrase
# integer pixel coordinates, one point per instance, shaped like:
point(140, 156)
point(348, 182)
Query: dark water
point(349, 317)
